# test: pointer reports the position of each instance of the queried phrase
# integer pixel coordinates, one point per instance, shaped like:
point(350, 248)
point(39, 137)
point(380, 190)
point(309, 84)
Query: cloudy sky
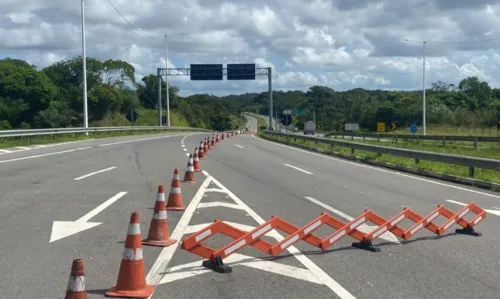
point(342, 44)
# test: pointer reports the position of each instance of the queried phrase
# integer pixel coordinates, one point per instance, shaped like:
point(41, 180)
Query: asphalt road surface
point(245, 181)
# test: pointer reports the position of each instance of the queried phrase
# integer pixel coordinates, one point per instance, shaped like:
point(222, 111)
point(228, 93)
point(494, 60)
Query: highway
point(245, 181)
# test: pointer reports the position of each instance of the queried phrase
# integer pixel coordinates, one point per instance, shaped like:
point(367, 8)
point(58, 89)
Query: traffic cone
point(175, 196)
point(131, 282)
point(201, 155)
point(217, 138)
point(158, 229)
point(76, 283)
point(207, 140)
point(222, 137)
point(213, 141)
point(196, 161)
point(189, 174)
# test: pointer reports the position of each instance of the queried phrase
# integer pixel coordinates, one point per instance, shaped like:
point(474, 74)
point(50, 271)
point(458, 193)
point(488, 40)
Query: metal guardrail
point(58, 131)
point(470, 162)
point(395, 137)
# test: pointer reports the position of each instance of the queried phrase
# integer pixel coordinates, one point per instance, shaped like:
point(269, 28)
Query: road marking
point(5, 151)
point(219, 204)
point(23, 148)
point(379, 169)
point(159, 271)
point(185, 149)
point(156, 273)
point(239, 146)
point(142, 139)
point(93, 173)
point(494, 212)
point(194, 268)
point(63, 229)
point(365, 228)
point(46, 155)
point(299, 169)
point(304, 260)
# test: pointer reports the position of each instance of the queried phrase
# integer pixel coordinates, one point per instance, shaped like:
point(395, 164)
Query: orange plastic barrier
point(364, 241)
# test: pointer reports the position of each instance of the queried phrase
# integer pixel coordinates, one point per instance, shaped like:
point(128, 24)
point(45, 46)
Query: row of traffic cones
point(131, 282)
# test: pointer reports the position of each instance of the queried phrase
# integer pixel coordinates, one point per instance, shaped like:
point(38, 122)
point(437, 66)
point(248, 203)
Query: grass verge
point(47, 139)
point(464, 148)
point(440, 168)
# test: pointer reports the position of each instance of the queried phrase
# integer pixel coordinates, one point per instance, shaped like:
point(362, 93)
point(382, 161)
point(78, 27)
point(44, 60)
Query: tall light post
point(166, 76)
point(424, 130)
point(84, 62)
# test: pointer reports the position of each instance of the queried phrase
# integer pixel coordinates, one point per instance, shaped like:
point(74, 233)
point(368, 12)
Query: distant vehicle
point(309, 127)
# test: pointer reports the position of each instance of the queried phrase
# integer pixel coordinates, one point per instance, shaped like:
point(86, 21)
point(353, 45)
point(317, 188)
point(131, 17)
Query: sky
point(342, 44)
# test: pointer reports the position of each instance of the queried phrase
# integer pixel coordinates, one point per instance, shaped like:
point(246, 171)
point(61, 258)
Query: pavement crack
point(141, 173)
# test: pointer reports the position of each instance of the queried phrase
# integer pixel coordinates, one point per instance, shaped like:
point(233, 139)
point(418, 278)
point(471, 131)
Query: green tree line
point(52, 97)
point(472, 103)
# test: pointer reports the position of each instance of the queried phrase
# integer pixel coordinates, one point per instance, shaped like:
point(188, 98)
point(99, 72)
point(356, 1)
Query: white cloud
point(342, 44)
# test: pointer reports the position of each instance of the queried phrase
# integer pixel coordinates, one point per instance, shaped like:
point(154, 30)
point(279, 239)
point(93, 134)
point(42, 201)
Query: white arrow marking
point(388, 236)
point(463, 204)
point(63, 229)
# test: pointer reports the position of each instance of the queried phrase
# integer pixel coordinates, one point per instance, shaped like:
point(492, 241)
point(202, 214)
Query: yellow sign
point(380, 127)
point(393, 126)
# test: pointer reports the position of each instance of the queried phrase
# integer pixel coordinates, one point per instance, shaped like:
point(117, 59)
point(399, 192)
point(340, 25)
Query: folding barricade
point(253, 238)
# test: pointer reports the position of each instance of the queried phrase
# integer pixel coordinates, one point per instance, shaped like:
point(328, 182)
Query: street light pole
point(166, 76)
point(166, 81)
point(424, 121)
point(84, 62)
point(424, 110)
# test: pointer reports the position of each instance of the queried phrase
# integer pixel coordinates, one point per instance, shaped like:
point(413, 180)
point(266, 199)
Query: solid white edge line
point(143, 139)
point(379, 169)
point(296, 168)
point(45, 155)
point(94, 173)
point(239, 146)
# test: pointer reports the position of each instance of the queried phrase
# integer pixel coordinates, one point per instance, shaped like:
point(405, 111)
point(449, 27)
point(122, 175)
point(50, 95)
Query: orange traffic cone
point(207, 142)
point(76, 283)
point(213, 141)
point(223, 136)
point(217, 138)
point(158, 230)
point(131, 281)
point(175, 196)
point(196, 161)
point(201, 155)
point(189, 174)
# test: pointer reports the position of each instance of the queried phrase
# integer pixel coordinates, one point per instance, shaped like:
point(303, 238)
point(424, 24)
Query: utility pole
point(166, 81)
point(166, 75)
point(84, 63)
point(424, 106)
point(424, 121)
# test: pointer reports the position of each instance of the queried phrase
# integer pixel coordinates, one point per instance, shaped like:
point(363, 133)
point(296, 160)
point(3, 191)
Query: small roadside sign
point(413, 129)
point(287, 112)
point(380, 127)
point(352, 127)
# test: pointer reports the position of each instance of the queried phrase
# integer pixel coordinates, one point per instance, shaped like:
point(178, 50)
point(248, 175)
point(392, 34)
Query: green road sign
point(298, 112)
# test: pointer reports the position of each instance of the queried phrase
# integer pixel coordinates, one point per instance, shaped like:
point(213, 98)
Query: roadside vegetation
point(455, 170)
point(51, 97)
